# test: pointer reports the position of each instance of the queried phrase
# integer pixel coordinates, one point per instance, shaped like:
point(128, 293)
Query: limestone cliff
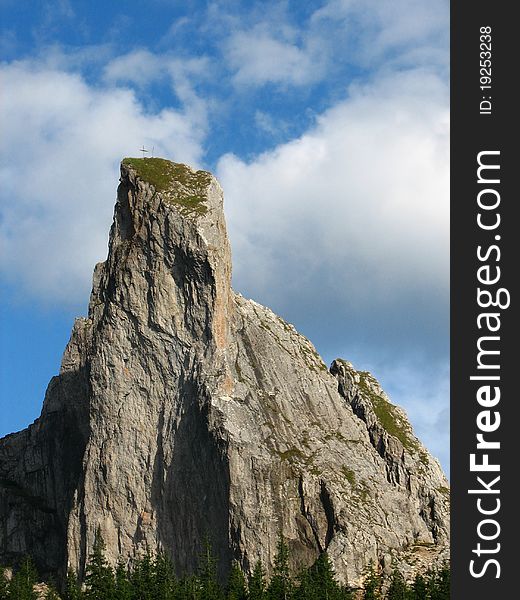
point(183, 409)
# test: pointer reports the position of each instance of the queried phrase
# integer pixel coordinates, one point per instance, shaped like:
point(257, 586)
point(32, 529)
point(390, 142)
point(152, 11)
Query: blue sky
point(327, 124)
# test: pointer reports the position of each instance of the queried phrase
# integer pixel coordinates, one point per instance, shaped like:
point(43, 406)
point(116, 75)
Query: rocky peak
point(169, 228)
point(184, 410)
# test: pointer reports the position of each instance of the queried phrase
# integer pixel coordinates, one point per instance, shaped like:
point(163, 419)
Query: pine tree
point(4, 586)
point(431, 585)
point(236, 587)
point(143, 578)
point(306, 588)
point(281, 586)
point(419, 591)
point(326, 584)
point(207, 574)
point(398, 589)
point(188, 588)
point(124, 590)
point(318, 582)
point(99, 579)
point(51, 594)
point(165, 582)
point(372, 583)
point(440, 586)
point(22, 584)
point(256, 584)
point(72, 589)
point(347, 593)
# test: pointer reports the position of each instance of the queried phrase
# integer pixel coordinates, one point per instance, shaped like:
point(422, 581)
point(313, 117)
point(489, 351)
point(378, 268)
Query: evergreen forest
point(154, 578)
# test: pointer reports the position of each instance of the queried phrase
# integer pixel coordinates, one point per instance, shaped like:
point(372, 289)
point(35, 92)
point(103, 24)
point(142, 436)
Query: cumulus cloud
point(61, 142)
point(363, 195)
point(386, 30)
point(342, 34)
point(141, 67)
point(259, 56)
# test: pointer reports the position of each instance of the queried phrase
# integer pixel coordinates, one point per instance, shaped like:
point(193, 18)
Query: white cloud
point(139, 67)
point(362, 196)
point(62, 141)
point(142, 67)
point(368, 34)
point(270, 125)
point(259, 55)
point(379, 30)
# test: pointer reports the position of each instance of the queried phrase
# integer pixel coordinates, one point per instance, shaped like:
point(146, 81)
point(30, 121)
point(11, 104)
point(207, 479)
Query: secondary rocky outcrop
point(183, 410)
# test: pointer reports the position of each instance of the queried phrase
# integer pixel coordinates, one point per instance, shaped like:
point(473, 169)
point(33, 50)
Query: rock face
point(183, 409)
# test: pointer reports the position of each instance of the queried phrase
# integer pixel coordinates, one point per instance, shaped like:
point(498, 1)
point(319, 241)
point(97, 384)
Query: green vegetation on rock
point(177, 183)
point(444, 490)
point(349, 475)
point(291, 454)
point(389, 418)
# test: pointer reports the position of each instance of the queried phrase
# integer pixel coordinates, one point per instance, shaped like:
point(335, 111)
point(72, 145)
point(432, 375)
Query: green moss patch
point(177, 183)
point(291, 454)
point(390, 419)
point(350, 476)
point(314, 470)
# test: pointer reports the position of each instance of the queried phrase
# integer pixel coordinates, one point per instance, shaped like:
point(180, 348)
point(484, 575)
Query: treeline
point(153, 578)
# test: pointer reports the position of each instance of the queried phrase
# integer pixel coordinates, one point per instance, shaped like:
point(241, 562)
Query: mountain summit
point(183, 410)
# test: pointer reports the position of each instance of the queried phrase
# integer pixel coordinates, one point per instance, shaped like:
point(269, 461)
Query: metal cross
point(143, 150)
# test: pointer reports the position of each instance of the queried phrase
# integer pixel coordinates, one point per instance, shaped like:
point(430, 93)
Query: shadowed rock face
point(183, 409)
